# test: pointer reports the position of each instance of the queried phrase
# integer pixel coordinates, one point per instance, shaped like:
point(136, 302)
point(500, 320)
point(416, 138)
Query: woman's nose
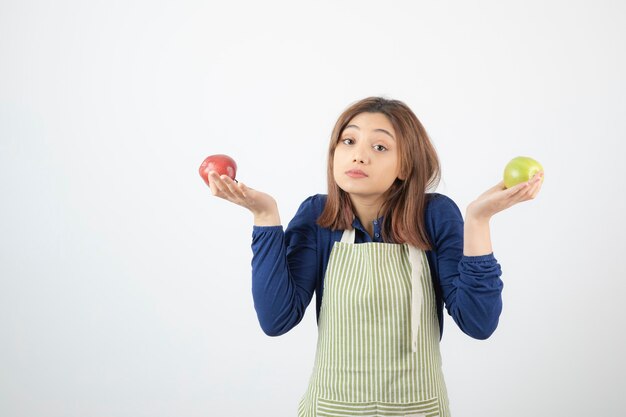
point(359, 159)
point(360, 155)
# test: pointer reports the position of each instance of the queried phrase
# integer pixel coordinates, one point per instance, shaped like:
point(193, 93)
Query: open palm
point(262, 205)
point(499, 198)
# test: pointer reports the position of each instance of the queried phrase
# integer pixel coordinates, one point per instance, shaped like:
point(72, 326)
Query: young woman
point(383, 257)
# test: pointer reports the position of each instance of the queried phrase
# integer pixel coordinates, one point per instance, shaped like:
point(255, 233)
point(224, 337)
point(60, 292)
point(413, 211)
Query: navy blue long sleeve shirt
point(289, 266)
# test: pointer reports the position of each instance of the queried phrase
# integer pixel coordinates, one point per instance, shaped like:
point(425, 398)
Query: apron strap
point(416, 293)
point(416, 283)
point(347, 236)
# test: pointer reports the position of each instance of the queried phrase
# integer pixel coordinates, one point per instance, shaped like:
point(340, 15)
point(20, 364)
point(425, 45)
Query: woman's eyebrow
point(375, 130)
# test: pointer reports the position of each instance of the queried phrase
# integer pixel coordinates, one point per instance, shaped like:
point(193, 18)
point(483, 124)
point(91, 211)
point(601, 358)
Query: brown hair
point(405, 202)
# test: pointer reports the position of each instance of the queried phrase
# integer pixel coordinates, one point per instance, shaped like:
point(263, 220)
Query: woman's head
point(366, 161)
point(417, 171)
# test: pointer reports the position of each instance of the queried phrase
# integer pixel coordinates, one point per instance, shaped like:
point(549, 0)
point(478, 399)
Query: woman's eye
point(380, 148)
point(347, 141)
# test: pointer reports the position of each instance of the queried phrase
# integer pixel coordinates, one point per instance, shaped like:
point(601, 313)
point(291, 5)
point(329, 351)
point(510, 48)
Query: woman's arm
point(284, 263)
point(468, 273)
point(284, 270)
point(470, 286)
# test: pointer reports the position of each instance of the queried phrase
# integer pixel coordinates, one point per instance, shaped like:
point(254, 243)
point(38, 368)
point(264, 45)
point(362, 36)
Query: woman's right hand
point(262, 205)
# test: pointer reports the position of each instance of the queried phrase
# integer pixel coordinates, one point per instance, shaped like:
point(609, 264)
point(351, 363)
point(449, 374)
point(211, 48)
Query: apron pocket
point(332, 408)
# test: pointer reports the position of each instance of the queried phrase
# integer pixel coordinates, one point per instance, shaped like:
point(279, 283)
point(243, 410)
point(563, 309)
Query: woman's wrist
point(476, 236)
point(477, 213)
point(267, 218)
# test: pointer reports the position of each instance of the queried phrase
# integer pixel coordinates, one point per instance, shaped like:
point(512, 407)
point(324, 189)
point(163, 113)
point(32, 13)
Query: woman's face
point(366, 159)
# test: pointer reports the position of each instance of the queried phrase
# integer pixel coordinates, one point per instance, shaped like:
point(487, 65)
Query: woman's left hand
point(499, 198)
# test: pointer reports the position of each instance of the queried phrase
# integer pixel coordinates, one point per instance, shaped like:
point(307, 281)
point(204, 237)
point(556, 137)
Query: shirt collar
point(365, 237)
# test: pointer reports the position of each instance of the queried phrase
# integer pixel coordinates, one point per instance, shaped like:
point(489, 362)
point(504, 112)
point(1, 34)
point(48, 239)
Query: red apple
point(222, 164)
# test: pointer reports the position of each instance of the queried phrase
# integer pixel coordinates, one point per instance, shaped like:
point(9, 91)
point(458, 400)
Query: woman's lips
point(356, 173)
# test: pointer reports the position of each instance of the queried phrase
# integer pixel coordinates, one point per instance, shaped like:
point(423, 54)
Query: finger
point(233, 188)
point(535, 181)
point(524, 193)
point(221, 187)
point(534, 185)
point(535, 193)
point(535, 189)
point(537, 177)
point(517, 191)
point(213, 178)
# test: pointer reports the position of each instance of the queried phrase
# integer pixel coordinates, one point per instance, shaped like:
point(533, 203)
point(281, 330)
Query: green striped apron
point(378, 342)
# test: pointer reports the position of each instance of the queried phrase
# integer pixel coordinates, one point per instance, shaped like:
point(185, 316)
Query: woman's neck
point(367, 211)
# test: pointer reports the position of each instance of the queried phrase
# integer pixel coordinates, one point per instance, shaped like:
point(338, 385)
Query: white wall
point(125, 286)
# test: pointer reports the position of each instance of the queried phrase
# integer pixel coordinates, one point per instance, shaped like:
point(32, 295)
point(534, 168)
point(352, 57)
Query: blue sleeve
point(284, 270)
point(470, 285)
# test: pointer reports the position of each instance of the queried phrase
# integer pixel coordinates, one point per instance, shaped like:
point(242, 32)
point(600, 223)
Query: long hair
point(404, 205)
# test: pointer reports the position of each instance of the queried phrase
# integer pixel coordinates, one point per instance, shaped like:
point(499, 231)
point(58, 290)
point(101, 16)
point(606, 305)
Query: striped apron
point(378, 341)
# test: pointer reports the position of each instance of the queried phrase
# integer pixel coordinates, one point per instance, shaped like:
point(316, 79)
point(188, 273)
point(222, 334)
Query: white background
point(125, 286)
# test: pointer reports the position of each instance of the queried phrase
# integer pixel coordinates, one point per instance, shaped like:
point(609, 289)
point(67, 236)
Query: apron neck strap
point(347, 236)
point(417, 295)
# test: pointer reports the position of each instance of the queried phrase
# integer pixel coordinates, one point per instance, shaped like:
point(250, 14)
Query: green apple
point(520, 169)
